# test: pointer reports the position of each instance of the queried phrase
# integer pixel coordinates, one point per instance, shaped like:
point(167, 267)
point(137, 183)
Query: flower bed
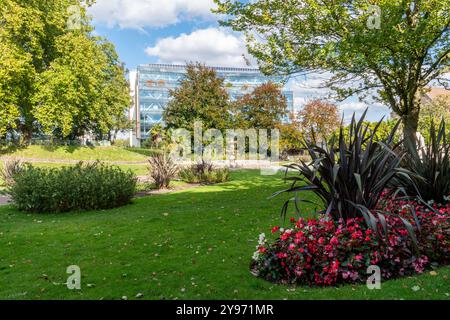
point(322, 252)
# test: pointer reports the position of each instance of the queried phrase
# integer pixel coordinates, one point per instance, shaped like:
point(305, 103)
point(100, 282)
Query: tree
point(319, 120)
point(264, 108)
point(395, 48)
point(55, 79)
point(201, 96)
point(434, 111)
point(291, 136)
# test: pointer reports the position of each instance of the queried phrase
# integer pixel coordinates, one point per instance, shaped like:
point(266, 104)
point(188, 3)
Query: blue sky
point(176, 31)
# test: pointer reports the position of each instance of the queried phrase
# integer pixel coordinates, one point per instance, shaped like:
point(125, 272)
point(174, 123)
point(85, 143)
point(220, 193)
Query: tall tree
point(394, 47)
point(56, 77)
point(201, 96)
point(319, 120)
point(263, 108)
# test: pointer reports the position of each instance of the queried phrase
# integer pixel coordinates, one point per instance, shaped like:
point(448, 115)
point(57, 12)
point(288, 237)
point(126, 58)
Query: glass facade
point(155, 80)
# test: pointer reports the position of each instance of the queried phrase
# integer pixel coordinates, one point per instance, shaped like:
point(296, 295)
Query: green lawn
point(79, 153)
point(191, 244)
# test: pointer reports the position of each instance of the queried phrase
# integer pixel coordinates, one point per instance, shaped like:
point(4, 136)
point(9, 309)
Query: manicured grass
point(79, 153)
point(191, 244)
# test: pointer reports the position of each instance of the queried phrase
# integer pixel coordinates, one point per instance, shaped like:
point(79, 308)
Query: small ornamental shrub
point(204, 172)
point(162, 170)
point(324, 252)
point(82, 187)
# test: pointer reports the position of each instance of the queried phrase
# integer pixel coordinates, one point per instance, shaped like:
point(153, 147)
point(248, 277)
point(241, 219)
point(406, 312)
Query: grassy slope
point(189, 245)
point(77, 153)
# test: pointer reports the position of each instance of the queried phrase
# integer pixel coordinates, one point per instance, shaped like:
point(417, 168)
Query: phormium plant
point(162, 169)
point(430, 166)
point(10, 169)
point(349, 173)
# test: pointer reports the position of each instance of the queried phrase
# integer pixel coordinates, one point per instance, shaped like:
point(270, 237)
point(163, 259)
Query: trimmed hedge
point(85, 186)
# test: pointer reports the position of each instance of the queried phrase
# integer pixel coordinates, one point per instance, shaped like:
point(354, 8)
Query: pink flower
point(275, 229)
point(334, 241)
point(281, 255)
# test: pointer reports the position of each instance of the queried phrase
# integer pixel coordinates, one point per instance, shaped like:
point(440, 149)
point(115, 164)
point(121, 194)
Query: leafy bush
point(349, 174)
point(10, 169)
point(430, 166)
point(81, 187)
point(204, 172)
point(324, 252)
point(162, 170)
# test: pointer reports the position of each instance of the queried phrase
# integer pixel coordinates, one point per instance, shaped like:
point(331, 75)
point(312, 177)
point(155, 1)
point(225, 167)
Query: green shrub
point(204, 172)
point(162, 170)
point(81, 187)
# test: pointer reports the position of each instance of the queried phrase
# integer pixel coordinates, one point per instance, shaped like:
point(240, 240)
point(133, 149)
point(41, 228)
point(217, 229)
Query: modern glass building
point(151, 84)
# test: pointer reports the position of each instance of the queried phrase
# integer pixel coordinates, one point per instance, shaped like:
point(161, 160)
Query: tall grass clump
point(162, 169)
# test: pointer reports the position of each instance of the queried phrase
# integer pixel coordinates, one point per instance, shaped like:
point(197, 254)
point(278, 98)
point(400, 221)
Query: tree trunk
point(27, 134)
point(410, 126)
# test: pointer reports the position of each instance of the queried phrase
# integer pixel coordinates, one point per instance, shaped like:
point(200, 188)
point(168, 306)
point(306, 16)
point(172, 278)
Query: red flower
point(334, 241)
point(299, 235)
point(275, 229)
point(282, 255)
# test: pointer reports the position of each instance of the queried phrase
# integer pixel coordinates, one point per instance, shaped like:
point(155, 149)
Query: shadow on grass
point(143, 151)
point(68, 149)
point(5, 149)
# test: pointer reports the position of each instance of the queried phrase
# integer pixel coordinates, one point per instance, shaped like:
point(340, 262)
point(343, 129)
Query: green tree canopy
point(201, 96)
point(55, 76)
point(395, 48)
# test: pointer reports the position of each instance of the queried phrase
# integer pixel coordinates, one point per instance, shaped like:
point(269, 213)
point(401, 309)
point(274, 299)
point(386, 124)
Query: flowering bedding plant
point(324, 252)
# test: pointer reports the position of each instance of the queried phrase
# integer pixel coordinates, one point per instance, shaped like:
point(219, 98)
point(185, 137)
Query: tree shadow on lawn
point(5, 150)
point(143, 151)
point(68, 149)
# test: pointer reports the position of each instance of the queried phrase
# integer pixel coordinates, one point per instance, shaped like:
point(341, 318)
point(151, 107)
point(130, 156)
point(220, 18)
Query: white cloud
point(311, 87)
point(138, 14)
point(212, 46)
